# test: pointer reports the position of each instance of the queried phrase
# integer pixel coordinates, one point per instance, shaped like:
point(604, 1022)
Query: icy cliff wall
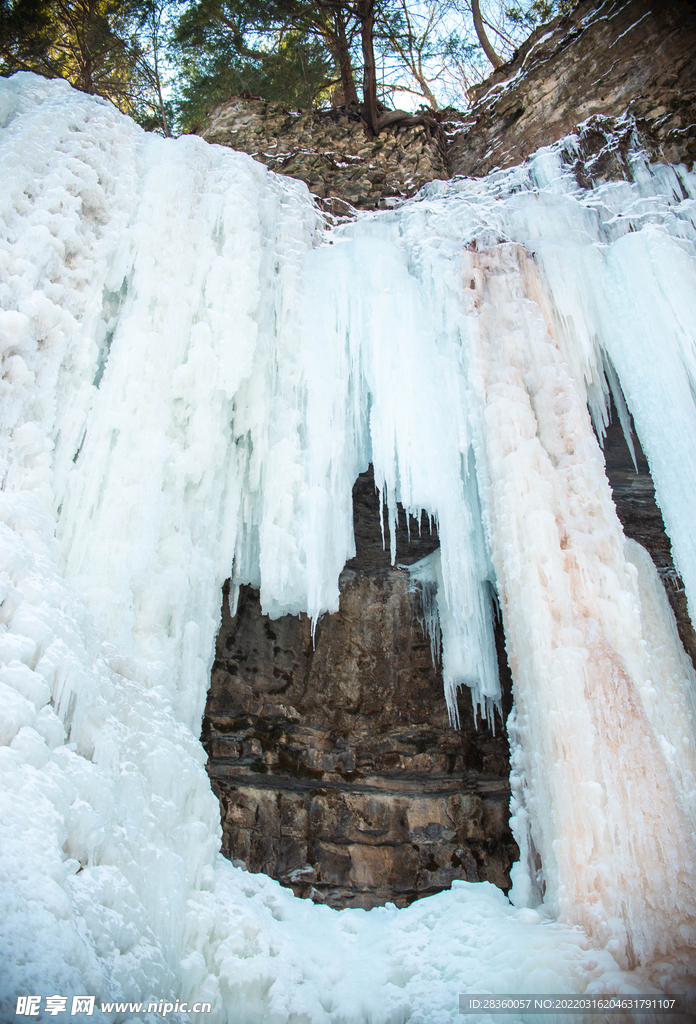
point(194, 375)
point(608, 58)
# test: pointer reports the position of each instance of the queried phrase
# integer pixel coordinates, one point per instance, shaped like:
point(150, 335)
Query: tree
point(226, 47)
point(299, 52)
point(26, 33)
point(111, 48)
point(73, 39)
point(427, 50)
point(374, 114)
point(493, 57)
point(152, 35)
point(411, 34)
point(253, 36)
point(303, 51)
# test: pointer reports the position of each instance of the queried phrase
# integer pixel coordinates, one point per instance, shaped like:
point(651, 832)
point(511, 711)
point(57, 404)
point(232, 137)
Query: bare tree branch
point(485, 42)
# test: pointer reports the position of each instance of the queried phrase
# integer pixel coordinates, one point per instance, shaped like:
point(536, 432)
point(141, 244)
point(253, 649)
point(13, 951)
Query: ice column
point(608, 811)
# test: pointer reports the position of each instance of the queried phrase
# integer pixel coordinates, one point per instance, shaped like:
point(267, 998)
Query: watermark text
point(30, 1006)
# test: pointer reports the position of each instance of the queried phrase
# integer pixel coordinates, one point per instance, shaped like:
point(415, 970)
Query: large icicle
point(405, 408)
point(577, 650)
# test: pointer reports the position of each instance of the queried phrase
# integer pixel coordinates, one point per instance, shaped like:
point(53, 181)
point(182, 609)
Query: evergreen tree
point(298, 52)
point(110, 48)
point(226, 47)
point(225, 44)
point(26, 34)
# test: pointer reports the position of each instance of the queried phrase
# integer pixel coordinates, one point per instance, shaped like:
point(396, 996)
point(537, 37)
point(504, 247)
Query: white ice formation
point(194, 372)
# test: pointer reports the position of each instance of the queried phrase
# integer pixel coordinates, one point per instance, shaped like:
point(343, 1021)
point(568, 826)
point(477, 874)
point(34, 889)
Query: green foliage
point(26, 33)
point(73, 39)
point(529, 15)
point(298, 52)
point(102, 47)
point(225, 48)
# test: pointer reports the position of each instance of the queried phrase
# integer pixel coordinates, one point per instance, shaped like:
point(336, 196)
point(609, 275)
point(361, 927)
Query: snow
point(195, 370)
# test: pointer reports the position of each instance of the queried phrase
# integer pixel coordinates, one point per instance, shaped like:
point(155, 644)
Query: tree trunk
point(345, 65)
point(155, 14)
point(371, 112)
point(83, 21)
point(374, 116)
point(485, 42)
point(160, 98)
point(427, 91)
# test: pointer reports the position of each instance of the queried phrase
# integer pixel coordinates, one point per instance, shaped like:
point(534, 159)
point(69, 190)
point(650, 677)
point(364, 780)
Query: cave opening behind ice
point(332, 753)
point(195, 372)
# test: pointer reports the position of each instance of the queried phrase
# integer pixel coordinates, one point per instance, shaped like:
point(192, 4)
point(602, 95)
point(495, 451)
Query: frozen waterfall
point(195, 370)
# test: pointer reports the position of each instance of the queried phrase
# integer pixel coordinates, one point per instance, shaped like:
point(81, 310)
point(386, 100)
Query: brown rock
point(330, 150)
point(625, 56)
point(346, 780)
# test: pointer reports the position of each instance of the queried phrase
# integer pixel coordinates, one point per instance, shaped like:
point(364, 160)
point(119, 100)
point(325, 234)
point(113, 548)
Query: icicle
point(423, 583)
point(623, 413)
point(573, 671)
point(450, 646)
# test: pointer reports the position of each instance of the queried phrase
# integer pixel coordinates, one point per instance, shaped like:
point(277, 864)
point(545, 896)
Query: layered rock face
point(336, 767)
point(610, 58)
point(331, 151)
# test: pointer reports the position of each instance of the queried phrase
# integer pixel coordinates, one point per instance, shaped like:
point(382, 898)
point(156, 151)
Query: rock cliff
point(335, 764)
point(336, 767)
point(330, 150)
point(610, 59)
